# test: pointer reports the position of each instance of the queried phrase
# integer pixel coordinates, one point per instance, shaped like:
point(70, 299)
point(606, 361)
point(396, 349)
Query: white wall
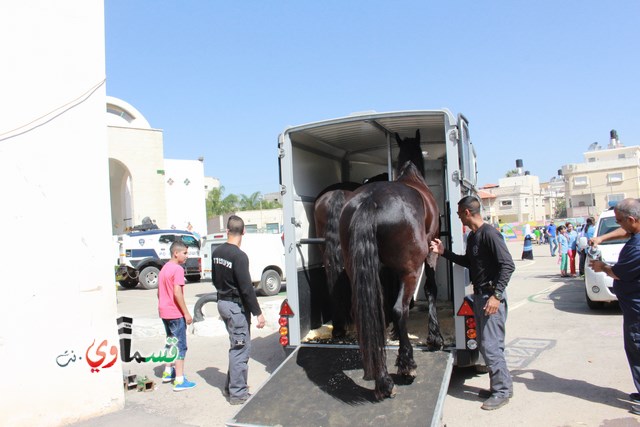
point(184, 200)
point(58, 289)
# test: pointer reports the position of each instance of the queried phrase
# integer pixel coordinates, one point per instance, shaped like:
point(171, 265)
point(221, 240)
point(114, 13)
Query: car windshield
point(607, 225)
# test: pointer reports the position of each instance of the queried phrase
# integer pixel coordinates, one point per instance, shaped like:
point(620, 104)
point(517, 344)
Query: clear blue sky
point(538, 80)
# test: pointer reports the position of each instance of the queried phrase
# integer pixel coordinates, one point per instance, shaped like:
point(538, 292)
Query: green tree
point(250, 203)
point(512, 172)
point(561, 208)
point(271, 204)
point(216, 205)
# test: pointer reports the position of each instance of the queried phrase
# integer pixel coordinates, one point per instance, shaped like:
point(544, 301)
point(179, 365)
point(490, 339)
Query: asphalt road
point(567, 361)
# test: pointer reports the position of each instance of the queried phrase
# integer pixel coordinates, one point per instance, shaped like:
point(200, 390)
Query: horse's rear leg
point(434, 338)
point(341, 303)
point(405, 362)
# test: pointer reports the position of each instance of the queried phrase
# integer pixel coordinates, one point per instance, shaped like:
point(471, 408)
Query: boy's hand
point(188, 319)
point(261, 321)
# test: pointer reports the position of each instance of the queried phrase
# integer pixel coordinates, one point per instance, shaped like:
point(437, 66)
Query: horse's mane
point(410, 173)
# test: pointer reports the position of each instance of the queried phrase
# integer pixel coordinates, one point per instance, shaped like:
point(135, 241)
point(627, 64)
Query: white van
point(599, 286)
point(266, 259)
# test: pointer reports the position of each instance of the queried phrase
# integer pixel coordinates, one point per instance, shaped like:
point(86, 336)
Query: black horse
point(390, 224)
point(327, 209)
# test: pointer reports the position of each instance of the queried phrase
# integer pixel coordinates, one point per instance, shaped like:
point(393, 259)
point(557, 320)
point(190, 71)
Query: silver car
point(599, 286)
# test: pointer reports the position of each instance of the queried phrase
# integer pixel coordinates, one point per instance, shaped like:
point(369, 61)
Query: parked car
point(143, 253)
point(599, 286)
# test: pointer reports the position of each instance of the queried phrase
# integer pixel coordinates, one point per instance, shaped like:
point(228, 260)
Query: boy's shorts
point(177, 328)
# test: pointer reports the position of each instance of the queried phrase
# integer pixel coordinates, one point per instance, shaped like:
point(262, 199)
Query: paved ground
point(567, 361)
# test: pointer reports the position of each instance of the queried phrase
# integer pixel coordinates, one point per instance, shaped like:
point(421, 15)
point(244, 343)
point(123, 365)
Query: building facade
point(606, 177)
point(61, 320)
point(143, 183)
point(516, 199)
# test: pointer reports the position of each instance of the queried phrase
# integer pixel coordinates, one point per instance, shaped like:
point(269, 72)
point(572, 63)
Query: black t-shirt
point(487, 258)
point(230, 275)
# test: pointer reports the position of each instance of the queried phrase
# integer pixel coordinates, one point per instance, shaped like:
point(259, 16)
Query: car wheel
point(270, 283)
point(129, 283)
point(149, 277)
point(192, 278)
point(593, 305)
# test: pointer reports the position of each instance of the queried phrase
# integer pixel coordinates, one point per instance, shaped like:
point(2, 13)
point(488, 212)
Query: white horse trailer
point(353, 148)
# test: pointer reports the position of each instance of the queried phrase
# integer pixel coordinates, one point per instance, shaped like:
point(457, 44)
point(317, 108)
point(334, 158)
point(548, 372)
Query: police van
point(143, 253)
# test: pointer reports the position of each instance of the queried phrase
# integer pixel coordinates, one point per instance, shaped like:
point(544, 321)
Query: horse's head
point(410, 151)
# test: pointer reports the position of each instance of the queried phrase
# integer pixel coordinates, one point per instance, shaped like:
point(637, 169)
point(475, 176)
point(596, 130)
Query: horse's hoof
point(408, 373)
point(393, 392)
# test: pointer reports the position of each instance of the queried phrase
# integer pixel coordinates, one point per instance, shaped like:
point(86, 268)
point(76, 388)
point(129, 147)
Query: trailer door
point(468, 166)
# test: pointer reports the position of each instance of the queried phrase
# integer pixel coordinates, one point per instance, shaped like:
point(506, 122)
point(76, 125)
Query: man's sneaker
point(169, 377)
point(494, 402)
point(485, 394)
point(239, 400)
point(634, 397)
point(184, 385)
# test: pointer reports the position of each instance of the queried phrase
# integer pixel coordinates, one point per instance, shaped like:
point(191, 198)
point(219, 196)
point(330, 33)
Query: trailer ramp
point(323, 387)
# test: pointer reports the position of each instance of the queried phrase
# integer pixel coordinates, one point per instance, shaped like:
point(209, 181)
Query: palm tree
point(216, 205)
point(250, 203)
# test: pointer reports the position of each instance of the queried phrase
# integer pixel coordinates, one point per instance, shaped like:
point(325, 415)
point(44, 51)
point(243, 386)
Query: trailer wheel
point(270, 283)
point(128, 283)
point(149, 277)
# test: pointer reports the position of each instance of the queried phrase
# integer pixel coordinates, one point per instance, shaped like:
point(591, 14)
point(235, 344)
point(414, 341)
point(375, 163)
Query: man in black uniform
point(490, 267)
point(236, 302)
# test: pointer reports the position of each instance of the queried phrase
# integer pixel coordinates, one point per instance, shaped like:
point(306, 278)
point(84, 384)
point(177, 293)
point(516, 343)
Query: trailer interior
point(354, 149)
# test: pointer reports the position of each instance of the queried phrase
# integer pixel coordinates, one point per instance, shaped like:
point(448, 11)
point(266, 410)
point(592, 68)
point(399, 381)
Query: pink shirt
point(172, 274)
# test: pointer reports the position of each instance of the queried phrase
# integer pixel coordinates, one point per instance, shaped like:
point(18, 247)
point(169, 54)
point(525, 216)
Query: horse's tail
point(368, 301)
point(333, 252)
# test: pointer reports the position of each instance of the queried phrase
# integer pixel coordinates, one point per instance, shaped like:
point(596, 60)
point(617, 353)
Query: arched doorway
point(121, 201)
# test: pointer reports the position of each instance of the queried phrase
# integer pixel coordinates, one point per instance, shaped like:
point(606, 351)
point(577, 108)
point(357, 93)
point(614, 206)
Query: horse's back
point(398, 213)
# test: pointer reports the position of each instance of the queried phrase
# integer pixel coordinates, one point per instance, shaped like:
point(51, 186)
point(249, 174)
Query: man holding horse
point(490, 266)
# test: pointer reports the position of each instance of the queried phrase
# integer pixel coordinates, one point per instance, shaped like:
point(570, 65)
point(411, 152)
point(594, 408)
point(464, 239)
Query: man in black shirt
point(236, 302)
point(490, 268)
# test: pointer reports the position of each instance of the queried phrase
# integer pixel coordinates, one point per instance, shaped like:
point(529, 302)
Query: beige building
point(136, 167)
point(515, 199)
point(607, 176)
point(143, 184)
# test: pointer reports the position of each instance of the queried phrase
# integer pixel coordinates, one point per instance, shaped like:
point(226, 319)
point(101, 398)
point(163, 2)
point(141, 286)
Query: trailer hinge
point(296, 223)
point(454, 136)
point(455, 176)
point(283, 189)
point(280, 153)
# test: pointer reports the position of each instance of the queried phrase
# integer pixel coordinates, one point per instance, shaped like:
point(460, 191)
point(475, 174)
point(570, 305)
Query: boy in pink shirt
point(174, 314)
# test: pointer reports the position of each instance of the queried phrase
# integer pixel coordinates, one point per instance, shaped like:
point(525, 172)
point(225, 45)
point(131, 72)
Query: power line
point(51, 115)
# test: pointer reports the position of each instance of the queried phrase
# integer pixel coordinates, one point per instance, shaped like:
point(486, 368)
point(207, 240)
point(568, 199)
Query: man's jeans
point(553, 245)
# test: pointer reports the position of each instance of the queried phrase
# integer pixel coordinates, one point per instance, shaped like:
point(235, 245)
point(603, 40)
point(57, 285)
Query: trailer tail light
point(285, 314)
point(470, 327)
point(200, 264)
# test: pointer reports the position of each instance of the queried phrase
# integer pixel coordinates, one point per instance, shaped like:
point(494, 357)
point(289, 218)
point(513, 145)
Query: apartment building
point(607, 176)
point(515, 199)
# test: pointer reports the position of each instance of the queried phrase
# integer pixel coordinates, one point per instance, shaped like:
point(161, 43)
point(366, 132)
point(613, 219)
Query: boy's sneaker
point(184, 385)
point(169, 377)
